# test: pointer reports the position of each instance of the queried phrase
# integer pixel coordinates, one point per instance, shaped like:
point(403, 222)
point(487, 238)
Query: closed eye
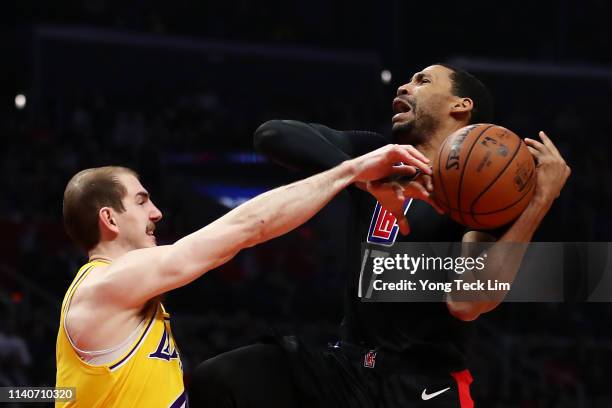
point(142, 197)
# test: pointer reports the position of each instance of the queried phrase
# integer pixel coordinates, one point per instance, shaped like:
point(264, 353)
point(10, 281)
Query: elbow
point(173, 265)
point(468, 311)
point(249, 231)
point(265, 135)
point(253, 234)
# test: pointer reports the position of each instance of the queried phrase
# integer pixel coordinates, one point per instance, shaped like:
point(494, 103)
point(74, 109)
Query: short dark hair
point(87, 192)
point(466, 85)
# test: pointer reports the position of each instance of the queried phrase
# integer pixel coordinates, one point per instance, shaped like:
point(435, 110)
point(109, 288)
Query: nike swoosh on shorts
point(425, 396)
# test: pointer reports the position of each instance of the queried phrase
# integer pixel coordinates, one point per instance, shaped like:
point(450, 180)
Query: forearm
point(503, 262)
point(279, 211)
point(312, 147)
point(262, 218)
point(298, 145)
point(527, 223)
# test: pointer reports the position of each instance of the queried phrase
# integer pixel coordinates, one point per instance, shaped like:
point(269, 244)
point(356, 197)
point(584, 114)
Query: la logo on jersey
point(369, 360)
point(383, 226)
point(165, 350)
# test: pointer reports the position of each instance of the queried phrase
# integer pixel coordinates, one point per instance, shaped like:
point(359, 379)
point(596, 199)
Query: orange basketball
point(484, 176)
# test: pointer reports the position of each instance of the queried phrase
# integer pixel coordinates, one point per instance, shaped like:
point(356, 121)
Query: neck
point(108, 251)
point(430, 148)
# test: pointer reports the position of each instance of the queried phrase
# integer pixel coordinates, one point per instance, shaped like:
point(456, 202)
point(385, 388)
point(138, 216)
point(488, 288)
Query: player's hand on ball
point(389, 160)
point(551, 170)
point(392, 195)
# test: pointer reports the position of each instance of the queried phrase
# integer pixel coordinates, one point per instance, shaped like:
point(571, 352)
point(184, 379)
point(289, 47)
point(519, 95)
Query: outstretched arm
point(143, 274)
point(312, 147)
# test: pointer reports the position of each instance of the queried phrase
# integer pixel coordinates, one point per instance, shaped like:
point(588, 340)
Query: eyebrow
point(419, 76)
point(143, 194)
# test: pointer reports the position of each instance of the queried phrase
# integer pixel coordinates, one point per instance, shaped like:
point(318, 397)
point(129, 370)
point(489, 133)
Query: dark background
point(175, 91)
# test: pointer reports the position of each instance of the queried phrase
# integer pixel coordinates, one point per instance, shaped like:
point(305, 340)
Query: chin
point(402, 132)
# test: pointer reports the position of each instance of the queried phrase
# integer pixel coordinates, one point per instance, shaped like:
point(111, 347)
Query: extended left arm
point(505, 256)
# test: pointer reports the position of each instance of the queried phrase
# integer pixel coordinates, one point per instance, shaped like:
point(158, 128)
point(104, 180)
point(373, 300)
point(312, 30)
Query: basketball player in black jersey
point(390, 354)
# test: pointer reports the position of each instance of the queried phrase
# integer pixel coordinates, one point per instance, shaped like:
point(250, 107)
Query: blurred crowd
point(571, 29)
point(525, 355)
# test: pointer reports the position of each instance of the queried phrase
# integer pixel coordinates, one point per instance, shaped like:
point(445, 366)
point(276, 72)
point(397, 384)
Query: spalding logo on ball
point(484, 176)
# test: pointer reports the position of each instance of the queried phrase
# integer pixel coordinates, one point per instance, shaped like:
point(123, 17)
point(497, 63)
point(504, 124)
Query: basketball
point(483, 176)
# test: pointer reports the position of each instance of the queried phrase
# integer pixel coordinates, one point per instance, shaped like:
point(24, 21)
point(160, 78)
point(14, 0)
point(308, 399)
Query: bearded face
point(412, 126)
point(422, 105)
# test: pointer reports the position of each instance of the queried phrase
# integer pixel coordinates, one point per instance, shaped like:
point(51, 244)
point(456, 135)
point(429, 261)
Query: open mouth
point(401, 110)
point(401, 106)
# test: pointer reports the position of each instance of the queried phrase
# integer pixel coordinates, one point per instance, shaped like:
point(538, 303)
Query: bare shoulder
point(85, 292)
point(92, 322)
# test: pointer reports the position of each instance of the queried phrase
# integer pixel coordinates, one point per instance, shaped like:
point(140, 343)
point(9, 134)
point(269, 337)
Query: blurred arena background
point(176, 89)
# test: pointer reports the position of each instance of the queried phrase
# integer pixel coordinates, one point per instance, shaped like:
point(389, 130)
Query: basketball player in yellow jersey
point(114, 342)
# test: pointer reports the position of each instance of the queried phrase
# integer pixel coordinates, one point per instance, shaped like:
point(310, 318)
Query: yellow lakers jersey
point(149, 374)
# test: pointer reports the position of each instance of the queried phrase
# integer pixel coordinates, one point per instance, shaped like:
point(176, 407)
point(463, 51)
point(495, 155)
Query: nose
point(405, 89)
point(156, 214)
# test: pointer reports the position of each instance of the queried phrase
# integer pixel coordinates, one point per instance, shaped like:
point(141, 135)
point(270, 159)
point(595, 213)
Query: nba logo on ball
point(383, 226)
point(370, 359)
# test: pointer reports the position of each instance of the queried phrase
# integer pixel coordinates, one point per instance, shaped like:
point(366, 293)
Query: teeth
point(401, 107)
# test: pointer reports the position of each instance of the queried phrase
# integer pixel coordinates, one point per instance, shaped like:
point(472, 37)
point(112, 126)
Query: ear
point(107, 222)
point(462, 105)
